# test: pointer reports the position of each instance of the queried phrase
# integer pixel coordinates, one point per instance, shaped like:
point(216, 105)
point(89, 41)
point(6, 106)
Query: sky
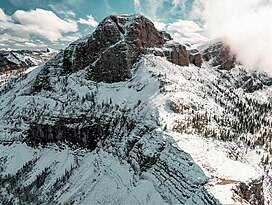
point(38, 24)
point(244, 24)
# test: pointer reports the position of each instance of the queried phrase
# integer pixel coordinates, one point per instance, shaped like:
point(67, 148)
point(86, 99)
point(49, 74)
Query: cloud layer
point(89, 21)
point(39, 22)
point(245, 24)
point(166, 15)
point(187, 31)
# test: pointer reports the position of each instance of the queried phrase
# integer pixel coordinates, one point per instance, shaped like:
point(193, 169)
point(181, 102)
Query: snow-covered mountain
point(20, 59)
point(14, 63)
point(128, 116)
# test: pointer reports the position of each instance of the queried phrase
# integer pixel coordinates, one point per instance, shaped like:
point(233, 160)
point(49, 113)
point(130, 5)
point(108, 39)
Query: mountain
point(127, 115)
point(21, 59)
point(14, 63)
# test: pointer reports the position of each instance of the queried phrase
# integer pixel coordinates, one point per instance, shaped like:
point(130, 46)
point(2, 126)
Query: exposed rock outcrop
point(220, 56)
point(111, 51)
point(252, 191)
point(195, 57)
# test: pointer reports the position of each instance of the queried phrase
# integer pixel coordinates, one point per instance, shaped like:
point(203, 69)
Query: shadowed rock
point(110, 52)
point(220, 56)
point(195, 57)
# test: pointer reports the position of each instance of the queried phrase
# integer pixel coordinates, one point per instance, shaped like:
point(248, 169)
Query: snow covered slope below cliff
point(85, 141)
point(118, 123)
point(196, 109)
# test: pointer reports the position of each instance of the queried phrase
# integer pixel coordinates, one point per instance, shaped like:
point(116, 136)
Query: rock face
point(111, 51)
point(252, 191)
point(195, 57)
point(220, 55)
point(173, 52)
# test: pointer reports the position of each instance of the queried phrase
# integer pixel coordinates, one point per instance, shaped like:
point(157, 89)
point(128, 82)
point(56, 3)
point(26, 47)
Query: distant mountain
point(20, 59)
point(127, 115)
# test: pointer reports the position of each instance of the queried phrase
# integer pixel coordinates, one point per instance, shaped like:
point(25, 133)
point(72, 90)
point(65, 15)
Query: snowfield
point(169, 161)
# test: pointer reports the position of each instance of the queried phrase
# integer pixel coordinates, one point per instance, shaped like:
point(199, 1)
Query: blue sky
point(38, 24)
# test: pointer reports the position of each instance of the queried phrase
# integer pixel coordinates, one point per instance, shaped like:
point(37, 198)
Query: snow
point(187, 86)
point(101, 177)
point(212, 156)
point(20, 155)
point(30, 69)
point(13, 59)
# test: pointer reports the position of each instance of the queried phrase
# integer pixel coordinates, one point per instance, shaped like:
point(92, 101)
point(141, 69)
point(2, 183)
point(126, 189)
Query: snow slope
point(148, 147)
point(135, 158)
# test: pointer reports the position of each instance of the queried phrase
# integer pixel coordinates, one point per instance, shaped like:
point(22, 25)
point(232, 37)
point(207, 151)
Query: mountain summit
point(116, 44)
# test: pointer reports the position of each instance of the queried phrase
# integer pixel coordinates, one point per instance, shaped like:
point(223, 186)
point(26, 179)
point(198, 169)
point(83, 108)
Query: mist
point(246, 26)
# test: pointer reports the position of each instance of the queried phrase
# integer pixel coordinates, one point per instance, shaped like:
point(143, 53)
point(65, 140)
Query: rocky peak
point(138, 30)
point(219, 55)
point(111, 51)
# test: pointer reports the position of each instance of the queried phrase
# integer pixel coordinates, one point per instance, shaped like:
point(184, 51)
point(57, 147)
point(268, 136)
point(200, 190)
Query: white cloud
point(159, 10)
point(194, 39)
point(3, 44)
point(149, 8)
point(90, 21)
point(179, 3)
point(11, 38)
point(159, 26)
point(58, 10)
point(184, 26)
point(3, 16)
point(247, 29)
point(137, 6)
point(186, 31)
point(39, 22)
point(30, 45)
point(197, 12)
point(152, 9)
point(70, 13)
point(70, 38)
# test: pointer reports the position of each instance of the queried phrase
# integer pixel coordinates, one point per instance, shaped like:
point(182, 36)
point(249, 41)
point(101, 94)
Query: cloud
point(34, 45)
point(184, 26)
point(197, 11)
point(137, 6)
point(162, 10)
point(90, 21)
point(150, 8)
point(186, 31)
point(3, 45)
point(153, 8)
point(180, 3)
point(159, 26)
point(58, 10)
point(70, 38)
point(38, 22)
point(11, 38)
point(247, 29)
point(31, 45)
point(3, 16)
